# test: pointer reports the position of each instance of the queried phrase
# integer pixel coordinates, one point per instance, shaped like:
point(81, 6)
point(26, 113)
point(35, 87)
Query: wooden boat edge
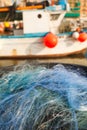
point(41, 56)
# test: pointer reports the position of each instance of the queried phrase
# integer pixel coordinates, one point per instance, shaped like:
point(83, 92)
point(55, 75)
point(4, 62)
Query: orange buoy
point(50, 40)
point(82, 37)
point(52, 2)
point(78, 29)
point(1, 28)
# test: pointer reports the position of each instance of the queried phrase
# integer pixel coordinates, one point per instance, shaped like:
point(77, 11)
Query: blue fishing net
point(43, 98)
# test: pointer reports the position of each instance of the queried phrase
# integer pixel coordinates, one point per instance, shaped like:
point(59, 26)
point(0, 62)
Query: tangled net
point(42, 98)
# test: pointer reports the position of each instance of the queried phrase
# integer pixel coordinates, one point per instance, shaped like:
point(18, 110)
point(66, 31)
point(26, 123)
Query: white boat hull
point(34, 47)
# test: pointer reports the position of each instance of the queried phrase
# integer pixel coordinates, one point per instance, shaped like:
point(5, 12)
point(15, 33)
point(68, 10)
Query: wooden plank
point(30, 7)
point(6, 9)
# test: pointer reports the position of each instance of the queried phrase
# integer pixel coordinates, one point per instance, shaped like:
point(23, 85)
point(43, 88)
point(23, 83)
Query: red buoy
point(50, 40)
point(82, 37)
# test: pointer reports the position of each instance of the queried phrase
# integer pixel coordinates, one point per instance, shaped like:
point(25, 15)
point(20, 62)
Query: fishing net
point(43, 98)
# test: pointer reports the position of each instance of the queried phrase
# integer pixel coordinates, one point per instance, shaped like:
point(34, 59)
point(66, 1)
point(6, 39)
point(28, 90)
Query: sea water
point(43, 98)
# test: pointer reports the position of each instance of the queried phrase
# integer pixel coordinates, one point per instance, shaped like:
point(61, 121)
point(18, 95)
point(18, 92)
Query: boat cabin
point(35, 19)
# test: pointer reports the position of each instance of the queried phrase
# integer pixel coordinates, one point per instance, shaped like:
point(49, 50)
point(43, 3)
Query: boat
point(36, 34)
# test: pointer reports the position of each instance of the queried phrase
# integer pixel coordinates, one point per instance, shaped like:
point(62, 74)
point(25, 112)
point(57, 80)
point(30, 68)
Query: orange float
point(78, 29)
point(82, 37)
point(1, 28)
point(50, 40)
